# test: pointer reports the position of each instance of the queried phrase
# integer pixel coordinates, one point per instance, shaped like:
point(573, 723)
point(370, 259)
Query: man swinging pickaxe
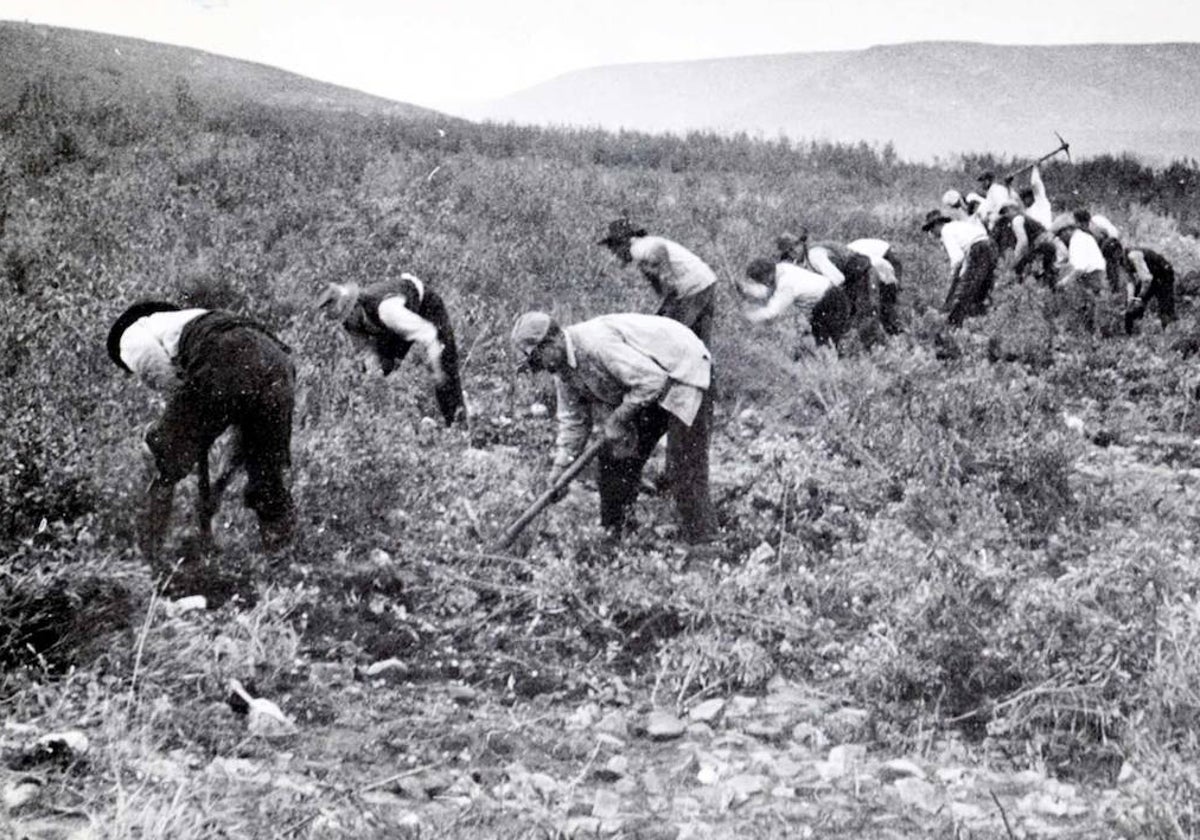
point(1063, 146)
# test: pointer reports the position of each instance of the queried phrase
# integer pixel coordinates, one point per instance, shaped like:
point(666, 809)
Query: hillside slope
point(930, 99)
point(101, 66)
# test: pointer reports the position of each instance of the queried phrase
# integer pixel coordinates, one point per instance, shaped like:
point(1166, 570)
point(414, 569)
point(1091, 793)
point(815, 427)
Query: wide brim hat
point(619, 231)
point(127, 319)
point(934, 217)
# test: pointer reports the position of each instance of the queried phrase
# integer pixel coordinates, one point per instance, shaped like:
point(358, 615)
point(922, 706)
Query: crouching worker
point(643, 376)
point(1150, 279)
point(219, 371)
point(388, 318)
point(782, 284)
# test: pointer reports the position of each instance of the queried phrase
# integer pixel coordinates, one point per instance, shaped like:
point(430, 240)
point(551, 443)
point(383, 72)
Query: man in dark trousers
point(1151, 279)
point(389, 317)
point(847, 269)
point(220, 370)
point(972, 264)
point(684, 283)
point(643, 376)
point(782, 285)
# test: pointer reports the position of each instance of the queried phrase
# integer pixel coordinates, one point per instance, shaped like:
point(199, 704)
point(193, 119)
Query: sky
point(450, 54)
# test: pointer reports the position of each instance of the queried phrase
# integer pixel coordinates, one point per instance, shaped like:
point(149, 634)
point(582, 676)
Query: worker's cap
point(339, 298)
point(788, 241)
point(761, 270)
point(619, 231)
point(952, 198)
point(934, 217)
point(986, 175)
point(528, 332)
point(126, 320)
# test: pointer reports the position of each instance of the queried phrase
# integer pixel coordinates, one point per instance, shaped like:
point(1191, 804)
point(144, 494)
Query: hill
point(110, 67)
point(930, 99)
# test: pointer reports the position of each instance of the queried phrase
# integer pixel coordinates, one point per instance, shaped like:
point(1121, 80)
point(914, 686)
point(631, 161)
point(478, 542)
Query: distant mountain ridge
point(129, 69)
point(931, 99)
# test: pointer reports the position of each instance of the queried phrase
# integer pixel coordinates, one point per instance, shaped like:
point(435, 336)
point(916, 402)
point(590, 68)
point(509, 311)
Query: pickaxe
point(543, 501)
point(1063, 146)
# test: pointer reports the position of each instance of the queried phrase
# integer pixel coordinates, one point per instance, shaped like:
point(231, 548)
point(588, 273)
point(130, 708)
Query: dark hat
point(934, 217)
point(126, 319)
point(987, 175)
point(620, 230)
point(761, 270)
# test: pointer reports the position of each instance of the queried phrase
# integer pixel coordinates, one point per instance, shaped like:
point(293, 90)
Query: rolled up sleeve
point(574, 417)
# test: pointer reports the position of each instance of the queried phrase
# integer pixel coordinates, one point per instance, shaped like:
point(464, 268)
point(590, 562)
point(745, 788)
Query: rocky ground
point(372, 756)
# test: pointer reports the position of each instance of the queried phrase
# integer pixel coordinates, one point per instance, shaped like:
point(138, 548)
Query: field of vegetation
point(955, 590)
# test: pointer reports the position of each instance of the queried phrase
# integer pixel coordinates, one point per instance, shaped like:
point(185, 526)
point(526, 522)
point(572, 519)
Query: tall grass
point(941, 545)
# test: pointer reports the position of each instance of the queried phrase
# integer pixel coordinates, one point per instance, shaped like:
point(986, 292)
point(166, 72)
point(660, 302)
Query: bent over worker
point(684, 283)
point(846, 268)
point(643, 376)
point(782, 284)
point(972, 264)
point(888, 271)
point(1151, 279)
point(220, 371)
point(389, 318)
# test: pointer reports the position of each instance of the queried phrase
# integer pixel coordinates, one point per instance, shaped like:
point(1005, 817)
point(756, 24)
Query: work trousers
point(1081, 297)
point(696, 312)
point(1161, 292)
point(1114, 258)
point(233, 374)
point(970, 290)
point(830, 318)
point(620, 469)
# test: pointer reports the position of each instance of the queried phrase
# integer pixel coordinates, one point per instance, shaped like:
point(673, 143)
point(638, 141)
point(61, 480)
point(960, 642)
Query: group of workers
point(637, 377)
point(1078, 254)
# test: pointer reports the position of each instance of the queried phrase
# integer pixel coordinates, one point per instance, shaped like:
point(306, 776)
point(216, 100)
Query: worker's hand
point(615, 428)
point(622, 439)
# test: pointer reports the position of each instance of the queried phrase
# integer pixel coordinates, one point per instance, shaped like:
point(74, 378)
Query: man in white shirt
point(972, 264)
point(1109, 239)
point(1084, 275)
point(847, 269)
point(219, 371)
point(684, 283)
point(996, 196)
point(782, 285)
point(641, 376)
point(390, 317)
point(1036, 201)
